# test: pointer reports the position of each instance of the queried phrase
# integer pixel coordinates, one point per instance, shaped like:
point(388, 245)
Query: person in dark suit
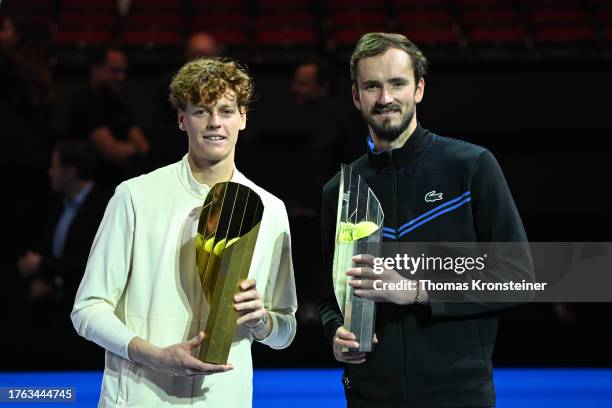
point(55, 263)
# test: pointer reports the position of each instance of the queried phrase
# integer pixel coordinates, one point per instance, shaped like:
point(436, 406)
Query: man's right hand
point(345, 338)
point(176, 359)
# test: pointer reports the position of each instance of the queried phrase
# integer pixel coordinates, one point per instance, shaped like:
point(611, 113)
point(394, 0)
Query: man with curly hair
point(140, 290)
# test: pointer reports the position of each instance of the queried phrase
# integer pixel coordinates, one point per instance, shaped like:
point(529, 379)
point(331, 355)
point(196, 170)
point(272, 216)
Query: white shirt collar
point(196, 188)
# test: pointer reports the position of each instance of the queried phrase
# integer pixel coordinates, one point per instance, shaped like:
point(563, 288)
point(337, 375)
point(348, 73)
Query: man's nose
point(385, 96)
point(213, 121)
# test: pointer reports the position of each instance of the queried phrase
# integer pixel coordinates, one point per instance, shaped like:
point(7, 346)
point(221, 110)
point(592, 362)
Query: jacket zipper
point(396, 213)
point(395, 181)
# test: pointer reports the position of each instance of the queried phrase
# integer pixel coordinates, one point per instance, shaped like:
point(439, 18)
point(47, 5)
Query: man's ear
point(243, 118)
point(420, 91)
point(181, 119)
point(356, 100)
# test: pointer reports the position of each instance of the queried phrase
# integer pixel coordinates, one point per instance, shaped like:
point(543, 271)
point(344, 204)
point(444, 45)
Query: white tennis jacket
point(141, 280)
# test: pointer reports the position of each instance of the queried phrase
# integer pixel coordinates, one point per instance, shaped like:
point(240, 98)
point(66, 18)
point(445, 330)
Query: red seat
point(286, 37)
point(161, 5)
point(349, 36)
point(150, 39)
point(81, 38)
point(555, 34)
point(551, 16)
point(493, 35)
point(86, 21)
point(357, 19)
point(548, 3)
point(285, 4)
point(238, 6)
point(219, 21)
point(40, 21)
point(604, 16)
point(28, 3)
point(296, 20)
point(155, 22)
point(235, 38)
point(488, 4)
point(598, 3)
point(80, 6)
point(420, 4)
point(432, 35)
point(489, 17)
point(38, 7)
point(424, 17)
point(356, 4)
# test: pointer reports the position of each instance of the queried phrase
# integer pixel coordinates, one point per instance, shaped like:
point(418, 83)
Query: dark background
point(542, 109)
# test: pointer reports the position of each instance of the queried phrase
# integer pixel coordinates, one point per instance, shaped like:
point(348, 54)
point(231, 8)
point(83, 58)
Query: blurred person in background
point(100, 115)
point(331, 122)
point(54, 264)
point(312, 81)
point(26, 103)
point(24, 48)
point(202, 45)
point(331, 130)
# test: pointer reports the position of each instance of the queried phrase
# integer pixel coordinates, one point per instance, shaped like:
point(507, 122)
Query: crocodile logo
point(433, 196)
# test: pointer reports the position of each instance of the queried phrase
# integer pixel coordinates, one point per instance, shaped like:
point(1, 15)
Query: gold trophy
point(359, 225)
point(225, 241)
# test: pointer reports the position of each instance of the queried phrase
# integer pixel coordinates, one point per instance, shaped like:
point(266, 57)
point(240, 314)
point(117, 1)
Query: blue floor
point(524, 388)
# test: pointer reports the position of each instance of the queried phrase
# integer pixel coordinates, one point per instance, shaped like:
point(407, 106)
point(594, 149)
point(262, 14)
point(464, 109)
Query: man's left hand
point(364, 278)
point(249, 305)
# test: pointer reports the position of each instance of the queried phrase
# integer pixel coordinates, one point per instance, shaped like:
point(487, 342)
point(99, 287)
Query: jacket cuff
point(283, 331)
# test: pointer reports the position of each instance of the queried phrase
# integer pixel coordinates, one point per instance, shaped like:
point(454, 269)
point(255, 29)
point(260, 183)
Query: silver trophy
point(359, 225)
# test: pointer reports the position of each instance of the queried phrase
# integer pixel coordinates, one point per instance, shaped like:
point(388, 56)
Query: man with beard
point(428, 352)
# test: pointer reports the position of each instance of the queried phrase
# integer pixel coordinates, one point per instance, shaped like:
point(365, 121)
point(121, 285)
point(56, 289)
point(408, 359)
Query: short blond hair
point(204, 80)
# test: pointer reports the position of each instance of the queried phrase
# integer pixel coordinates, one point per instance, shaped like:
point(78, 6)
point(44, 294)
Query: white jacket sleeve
point(106, 276)
point(280, 299)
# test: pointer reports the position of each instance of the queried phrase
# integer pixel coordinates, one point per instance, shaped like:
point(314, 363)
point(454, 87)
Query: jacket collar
point(418, 142)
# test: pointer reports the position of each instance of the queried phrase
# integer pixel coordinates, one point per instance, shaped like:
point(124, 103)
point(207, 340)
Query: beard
point(385, 130)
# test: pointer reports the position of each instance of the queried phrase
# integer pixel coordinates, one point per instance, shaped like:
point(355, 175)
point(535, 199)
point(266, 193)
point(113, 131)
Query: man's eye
point(371, 87)
point(199, 112)
point(397, 84)
point(228, 111)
